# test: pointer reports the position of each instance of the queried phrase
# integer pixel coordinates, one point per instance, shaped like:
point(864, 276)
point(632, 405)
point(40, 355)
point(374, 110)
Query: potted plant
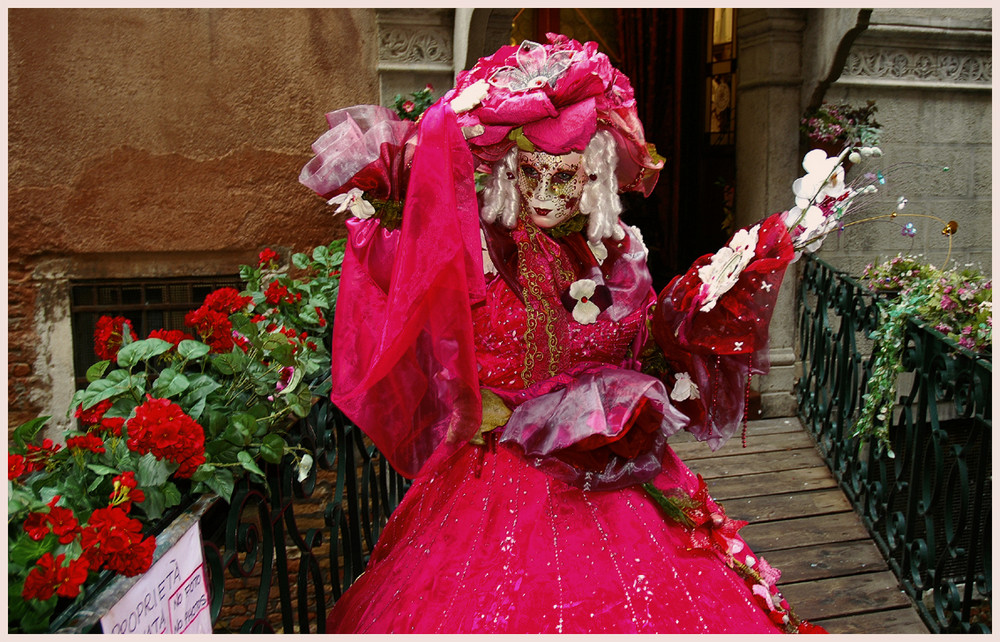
point(832, 127)
point(165, 419)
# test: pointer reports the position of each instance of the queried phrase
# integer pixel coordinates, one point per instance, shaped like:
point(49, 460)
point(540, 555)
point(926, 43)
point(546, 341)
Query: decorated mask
point(550, 186)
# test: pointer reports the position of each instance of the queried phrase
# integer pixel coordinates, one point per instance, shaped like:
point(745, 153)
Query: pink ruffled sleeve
point(404, 365)
point(712, 325)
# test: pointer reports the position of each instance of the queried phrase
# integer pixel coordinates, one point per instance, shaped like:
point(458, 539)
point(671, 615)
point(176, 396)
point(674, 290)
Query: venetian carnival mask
point(550, 186)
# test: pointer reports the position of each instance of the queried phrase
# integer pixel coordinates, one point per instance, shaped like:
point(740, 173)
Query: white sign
point(171, 597)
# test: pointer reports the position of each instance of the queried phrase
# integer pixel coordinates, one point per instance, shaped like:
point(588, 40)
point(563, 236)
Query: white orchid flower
point(824, 177)
point(684, 388)
point(719, 276)
point(585, 311)
point(352, 201)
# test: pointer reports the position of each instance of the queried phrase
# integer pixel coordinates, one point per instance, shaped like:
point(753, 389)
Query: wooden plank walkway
point(800, 522)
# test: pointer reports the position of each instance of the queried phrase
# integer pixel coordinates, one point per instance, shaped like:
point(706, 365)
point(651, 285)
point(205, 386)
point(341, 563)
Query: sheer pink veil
point(404, 364)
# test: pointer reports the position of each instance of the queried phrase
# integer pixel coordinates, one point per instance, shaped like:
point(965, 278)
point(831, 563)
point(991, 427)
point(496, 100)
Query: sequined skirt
point(489, 544)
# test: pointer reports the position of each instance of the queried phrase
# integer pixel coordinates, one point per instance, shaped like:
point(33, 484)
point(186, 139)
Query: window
point(720, 122)
point(149, 304)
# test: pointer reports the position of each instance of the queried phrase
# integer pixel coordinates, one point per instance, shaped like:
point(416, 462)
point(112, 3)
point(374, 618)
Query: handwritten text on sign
point(171, 597)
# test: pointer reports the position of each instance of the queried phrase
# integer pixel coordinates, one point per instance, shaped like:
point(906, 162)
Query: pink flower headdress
point(553, 97)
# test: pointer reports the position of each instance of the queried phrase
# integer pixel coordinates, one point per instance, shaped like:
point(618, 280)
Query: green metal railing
point(278, 555)
point(296, 571)
point(928, 505)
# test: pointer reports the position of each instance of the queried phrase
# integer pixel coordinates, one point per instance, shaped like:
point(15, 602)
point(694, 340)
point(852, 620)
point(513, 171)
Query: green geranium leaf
point(154, 504)
point(191, 349)
point(170, 383)
point(309, 315)
point(222, 483)
point(204, 472)
point(25, 551)
point(25, 433)
point(272, 448)
point(36, 621)
point(300, 260)
point(248, 463)
point(320, 253)
point(230, 363)
point(103, 470)
point(171, 494)
point(97, 370)
point(152, 471)
point(195, 410)
point(142, 350)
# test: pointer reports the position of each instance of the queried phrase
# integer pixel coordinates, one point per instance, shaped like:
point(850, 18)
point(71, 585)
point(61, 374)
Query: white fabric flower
point(684, 388)
point(470, 96)
point(585, 311)
point(599, 251)
point(488, 267)
point(354, 202)
point(534, 68)
point(639, 241)
point(824, 177)
point(719, 276)
point(812, 227)
point(304, 466)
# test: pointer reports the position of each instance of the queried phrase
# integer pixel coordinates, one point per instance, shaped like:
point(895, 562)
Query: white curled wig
point(599, 200)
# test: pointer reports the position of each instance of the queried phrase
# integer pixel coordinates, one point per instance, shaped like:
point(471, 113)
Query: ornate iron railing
point(927, 506)
point(272, 539)
point(277, 555)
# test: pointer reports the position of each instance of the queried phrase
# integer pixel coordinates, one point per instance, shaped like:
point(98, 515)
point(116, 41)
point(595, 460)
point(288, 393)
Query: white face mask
point(550, 186)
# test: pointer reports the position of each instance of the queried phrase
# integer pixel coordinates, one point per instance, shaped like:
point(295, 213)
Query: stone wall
point(156, 143)
point(930, 73)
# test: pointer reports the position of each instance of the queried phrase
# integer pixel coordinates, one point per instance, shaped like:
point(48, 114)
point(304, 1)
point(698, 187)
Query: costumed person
point(498, 349)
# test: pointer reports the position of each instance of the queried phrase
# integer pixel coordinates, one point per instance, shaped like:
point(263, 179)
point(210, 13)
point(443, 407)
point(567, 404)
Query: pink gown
point(549, 526)
point(516, 536)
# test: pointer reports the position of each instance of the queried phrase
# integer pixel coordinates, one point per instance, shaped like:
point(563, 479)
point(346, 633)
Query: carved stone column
point(415, 48)
point(767, 118)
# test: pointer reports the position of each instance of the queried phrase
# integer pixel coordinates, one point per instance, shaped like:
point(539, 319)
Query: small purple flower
point(966, 342)
point(947, 303)
point(909, 230)
point(943, 328)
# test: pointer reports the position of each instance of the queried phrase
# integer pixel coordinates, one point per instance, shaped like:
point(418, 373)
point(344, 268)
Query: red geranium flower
point(276, 293)
point(114, 539)
point(125, 491)
point(90, 442)
point(63, 522)
point(161, 427)
point(173, 336)
point(50, 577)
point(37, 526)
point(93, 415)
point(109, 335)
point(408, 106)
point(71, 577)
point(42, 580)
point(38, 456)
point(113, 425)
point(16, 466)
point(214, 328)
point(267, 257)
point(227, 301)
